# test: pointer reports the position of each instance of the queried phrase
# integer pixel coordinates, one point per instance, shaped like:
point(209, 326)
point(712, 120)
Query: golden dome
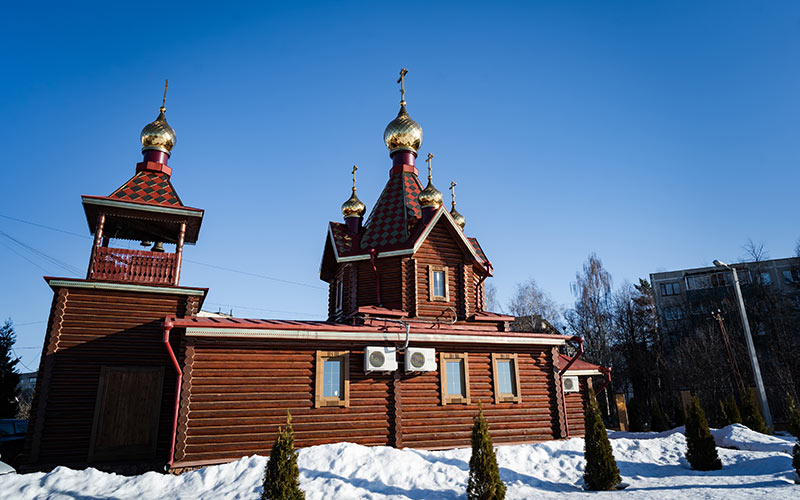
point(353, 207)
point(403, 132)
point(430, 196)
point(460, 220)
point(158, 135)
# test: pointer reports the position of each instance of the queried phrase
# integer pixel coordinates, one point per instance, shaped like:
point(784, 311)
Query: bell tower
point(147, 210)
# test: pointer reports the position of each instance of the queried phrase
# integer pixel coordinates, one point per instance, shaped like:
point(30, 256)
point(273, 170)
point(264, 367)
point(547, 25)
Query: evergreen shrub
point(679, 411)
point(796, 459)
point(281, 475)
point(484, 475)
point(730, 411)
point(601, 472)
point(634, 416)
point(658, 421)
point(793, 416)
point(751, 415)
point(701, 451)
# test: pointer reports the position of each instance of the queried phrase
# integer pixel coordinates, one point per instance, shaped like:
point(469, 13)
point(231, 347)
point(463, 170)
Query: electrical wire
point(262, 309)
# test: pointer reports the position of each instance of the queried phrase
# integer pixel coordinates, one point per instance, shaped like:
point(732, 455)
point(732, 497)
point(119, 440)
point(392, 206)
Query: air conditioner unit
point(571, 384)
point(380, 359)
point(420, 360)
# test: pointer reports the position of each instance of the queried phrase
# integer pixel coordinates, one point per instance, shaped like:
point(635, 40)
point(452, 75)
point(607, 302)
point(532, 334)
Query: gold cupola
point(403, 133)
point(353, 207)
point(158, 135)
point(430, 196)
point(460, 220)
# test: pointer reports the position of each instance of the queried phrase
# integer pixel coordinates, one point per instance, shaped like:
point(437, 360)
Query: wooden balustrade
point(134, 266)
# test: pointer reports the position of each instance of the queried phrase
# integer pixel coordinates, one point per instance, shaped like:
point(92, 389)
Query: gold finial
point(353, 207)
point(402, 82)
point(164, 100)
point(428, 161)
point(457, 217)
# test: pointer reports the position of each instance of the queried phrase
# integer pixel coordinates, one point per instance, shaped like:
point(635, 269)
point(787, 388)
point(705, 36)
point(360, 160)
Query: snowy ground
point(653, 465)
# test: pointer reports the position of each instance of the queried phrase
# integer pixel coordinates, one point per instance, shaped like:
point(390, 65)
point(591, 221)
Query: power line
point(24, 257)
point(42, 255)
point(45, 227)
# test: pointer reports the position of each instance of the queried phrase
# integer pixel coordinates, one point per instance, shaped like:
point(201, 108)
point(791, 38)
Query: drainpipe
point(478, 286)
point(607, 374)
point(408, 329)
point(372, 256)
point(167, 325)
point(577, 355)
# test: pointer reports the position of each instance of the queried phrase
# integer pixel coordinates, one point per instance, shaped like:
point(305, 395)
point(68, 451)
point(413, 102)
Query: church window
point(454, 373)
point(506, 378)
point(339, 296)
point(437, 280)
point(332, 379)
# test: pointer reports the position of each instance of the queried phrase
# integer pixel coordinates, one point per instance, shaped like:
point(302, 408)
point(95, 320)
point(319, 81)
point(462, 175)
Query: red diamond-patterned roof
point(341, 238)
point(477, 247)
point(395, 213)
point(153, 188)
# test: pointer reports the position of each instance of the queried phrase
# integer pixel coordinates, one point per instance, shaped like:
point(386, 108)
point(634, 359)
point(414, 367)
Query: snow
point(754, 466)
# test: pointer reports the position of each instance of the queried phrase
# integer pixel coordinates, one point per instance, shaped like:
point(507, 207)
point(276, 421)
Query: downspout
point(167, 325)
point(577, 355)
point(478, 286)
point(607, 372)
point(408, 330)
point(372, 256)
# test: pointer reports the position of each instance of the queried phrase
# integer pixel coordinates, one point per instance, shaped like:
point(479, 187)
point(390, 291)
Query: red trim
point(383, 311)
point(404, 168)
point(578, 354)
point(373, 254)
point(490, 317)
point(153, 167)
point(176, 207)
point(167, 325)
point(607, 372)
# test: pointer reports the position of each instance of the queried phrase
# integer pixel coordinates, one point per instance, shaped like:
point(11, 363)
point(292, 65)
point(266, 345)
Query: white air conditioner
point(420, 360)
point(571, 384)
point(380, 359)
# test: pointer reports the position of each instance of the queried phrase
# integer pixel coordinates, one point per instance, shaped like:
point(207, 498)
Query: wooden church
point(132, 377)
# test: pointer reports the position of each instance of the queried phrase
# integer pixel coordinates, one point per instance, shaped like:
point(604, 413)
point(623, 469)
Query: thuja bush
point(701, 451)
point(484, 475)
point(679, 412)
point(730, 411)
point(601, 472)
point(281, 475)
point(751, 415)
point(658, 421)
point(793, 416)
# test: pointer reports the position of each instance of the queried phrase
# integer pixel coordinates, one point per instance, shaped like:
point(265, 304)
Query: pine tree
point(793, 416)
point(751, 415)
point(281, 475)
point(634, 416)
point(601, 472)
point(701, 451)
point(658, 421)
point(796, 459)
point(484, 475)
point(679, 411)
point(9, 378)
point(730, 411)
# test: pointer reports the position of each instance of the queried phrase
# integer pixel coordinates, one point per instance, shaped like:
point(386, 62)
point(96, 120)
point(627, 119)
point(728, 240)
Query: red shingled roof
point(147, 186)
point(577, 365)
point(395, 213)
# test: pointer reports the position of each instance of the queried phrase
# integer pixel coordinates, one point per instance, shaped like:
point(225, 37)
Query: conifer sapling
point(730, 411)
point(484, 475)
point(793, 416)
point(282, 476)
point(679, 411)
point(658, 421)
point(601, 472)
point(796, 460)
point(701, 450)
point(751, 414)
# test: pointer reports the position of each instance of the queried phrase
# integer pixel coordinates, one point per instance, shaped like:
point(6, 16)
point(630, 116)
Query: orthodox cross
point(402, 82)
point(453, 191)
point(354, 177)
point(164, 100)
point(428, 160)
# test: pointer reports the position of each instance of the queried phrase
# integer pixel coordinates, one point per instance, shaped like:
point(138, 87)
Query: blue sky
point(660, 135)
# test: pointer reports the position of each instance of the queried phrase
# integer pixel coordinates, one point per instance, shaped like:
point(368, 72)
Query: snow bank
point(652, 463)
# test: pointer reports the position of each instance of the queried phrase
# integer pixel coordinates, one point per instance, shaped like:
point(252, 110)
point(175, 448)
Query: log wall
point(89, 329)
point(441, 249)
point(576, 402)
point(241, 390)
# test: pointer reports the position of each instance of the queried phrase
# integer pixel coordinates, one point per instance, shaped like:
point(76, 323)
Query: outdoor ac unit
point(571, 384)
point(380, 359)
point(420, 360)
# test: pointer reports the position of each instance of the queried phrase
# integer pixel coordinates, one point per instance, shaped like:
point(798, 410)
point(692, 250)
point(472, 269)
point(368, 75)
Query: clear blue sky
point(659, 135)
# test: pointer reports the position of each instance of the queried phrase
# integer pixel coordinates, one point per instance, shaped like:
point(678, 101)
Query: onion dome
point(158, 135)
point(353, 207)
point(457, 217)
point(430, 196)
point(403, 133)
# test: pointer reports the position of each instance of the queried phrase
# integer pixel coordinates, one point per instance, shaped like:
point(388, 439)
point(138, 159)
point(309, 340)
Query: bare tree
point(591, 316)
point(491, 298)
point(531, 302)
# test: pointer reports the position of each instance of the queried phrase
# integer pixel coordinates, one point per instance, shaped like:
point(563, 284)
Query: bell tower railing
point(134, 266)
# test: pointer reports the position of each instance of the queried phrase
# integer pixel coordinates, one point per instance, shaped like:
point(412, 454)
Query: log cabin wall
point(576, 402)
point(241, 390)
point(440, 249)
point(390, 272)
point(117, 334)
